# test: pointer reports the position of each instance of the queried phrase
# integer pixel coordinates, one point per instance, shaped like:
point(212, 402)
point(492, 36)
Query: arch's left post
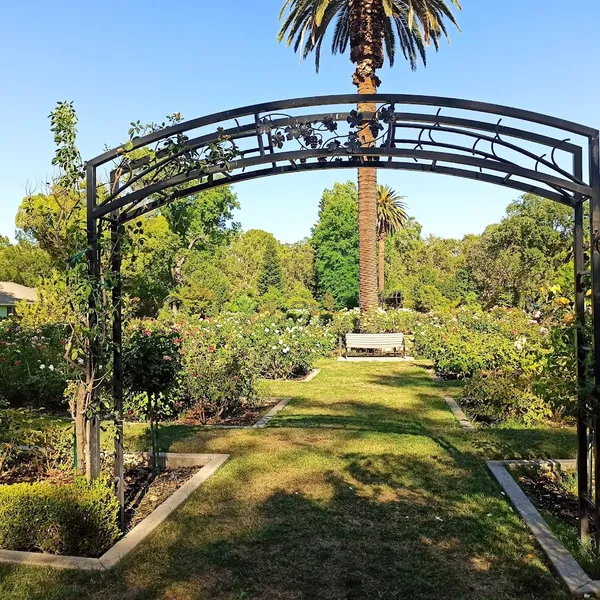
point(117, 341)
point(93, 256)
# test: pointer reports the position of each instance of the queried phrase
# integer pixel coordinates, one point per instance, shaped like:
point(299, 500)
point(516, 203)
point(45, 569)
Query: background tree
point(298, 263)
point(24, 262)
point(366, 27)
point(271, 274)
point(203, 221)
point(391, 216)
point(529, 249)
point(147, 272)
point(335, 240)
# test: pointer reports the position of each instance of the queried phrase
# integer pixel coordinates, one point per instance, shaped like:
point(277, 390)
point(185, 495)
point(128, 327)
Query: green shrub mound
point(77, 519)
point(504, 395)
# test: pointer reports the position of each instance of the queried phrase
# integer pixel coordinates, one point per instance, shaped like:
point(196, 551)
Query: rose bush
point(33, 371)
point(517, 365)
point(504, 395)
point(289, 347)
point(468, 340)
point(151, 365)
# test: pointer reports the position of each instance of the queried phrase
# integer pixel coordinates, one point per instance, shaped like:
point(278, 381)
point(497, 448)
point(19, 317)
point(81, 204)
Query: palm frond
point(411, 25)
point(391, 210)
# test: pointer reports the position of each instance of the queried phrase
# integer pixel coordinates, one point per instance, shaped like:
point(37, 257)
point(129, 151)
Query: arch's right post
point(594, 180)
point(583, 449)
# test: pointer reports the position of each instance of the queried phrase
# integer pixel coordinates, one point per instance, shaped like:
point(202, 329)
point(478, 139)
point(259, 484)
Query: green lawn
point(364, 487)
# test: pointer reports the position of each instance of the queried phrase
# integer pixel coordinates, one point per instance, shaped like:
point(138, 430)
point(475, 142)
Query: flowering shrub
point(503, 395)
point(33, 371)
point(467, 341)
point(521, 366)
point(288, 348)
point(220, 379)
point(557, 381)
point(151, 357)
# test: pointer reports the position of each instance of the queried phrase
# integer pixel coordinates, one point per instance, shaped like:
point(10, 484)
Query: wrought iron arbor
point(517, 149)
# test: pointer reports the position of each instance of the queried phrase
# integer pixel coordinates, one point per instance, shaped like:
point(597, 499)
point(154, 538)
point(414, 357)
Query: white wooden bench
point(391, 342)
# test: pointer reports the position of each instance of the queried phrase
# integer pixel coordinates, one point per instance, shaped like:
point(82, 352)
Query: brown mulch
point(29, 472)
point(545, 490)
point(145, 490)
point(247, 415)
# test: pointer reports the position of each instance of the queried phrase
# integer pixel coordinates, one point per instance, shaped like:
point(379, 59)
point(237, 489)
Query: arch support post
point(92, 426)
point(583, 448)
point(594, 160)
point(117, 348)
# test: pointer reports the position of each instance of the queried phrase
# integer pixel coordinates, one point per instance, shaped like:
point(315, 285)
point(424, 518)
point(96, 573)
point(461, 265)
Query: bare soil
point(546, 491)
point(146, 490)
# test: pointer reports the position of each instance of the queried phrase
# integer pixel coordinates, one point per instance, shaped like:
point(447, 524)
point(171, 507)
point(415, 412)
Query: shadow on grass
point(382, 528)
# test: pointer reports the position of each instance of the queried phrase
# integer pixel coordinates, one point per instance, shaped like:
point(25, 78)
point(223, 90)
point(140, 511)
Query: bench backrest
point(374, 340)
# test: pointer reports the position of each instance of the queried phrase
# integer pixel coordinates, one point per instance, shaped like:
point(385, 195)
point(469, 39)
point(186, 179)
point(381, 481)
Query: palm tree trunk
point(382, 262)
point(367, 208)
point(365, 18)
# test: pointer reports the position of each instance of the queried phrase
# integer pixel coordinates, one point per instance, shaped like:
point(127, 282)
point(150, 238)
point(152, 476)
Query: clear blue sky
point(123, 61)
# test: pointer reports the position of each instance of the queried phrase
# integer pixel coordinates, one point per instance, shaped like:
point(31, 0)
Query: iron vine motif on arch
point(162, 163)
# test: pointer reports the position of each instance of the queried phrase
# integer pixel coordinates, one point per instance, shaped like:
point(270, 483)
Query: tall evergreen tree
point(271, 273)
point(335, 240)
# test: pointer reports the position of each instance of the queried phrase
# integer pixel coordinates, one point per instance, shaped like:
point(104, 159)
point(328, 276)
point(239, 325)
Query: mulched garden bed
point(247, 415)
point(143, 493)
point(145, 490)
point(546, 491)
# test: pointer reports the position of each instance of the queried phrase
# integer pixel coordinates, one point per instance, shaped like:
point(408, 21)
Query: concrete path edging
point(265, 420)
point(568, 569)
point(458, 412)
point(210, 464)
point(310, 375)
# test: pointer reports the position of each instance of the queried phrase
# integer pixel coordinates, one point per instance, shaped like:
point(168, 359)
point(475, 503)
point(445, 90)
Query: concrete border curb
point(265, 420)
point(568, 569)
point(310, 376)
point(458, 412)
point(210, 464)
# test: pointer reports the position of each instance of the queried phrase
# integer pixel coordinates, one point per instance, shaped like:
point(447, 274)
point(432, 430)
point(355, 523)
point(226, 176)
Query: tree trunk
point(80, 429)
point(367, 207)
point(87, 430)
point(382, 262)
point(366, 19)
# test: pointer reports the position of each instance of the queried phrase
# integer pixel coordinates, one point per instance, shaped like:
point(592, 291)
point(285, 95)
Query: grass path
point(364, 487)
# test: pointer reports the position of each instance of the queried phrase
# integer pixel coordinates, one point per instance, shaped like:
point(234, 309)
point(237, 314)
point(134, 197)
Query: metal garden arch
point(518, 149)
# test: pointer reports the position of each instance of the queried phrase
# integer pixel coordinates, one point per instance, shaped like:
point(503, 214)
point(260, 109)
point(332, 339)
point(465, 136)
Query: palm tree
point(371, 28)
point(391, 216)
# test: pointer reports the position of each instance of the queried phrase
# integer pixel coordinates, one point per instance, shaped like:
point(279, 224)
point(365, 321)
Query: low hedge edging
point(73, 519)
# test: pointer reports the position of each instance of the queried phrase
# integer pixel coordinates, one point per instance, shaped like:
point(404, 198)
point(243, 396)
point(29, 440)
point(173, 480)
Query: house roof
point(11, 293)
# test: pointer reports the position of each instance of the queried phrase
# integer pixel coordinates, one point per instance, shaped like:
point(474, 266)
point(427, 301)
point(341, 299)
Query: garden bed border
point(310, 375)
point(568, 569)
point(209, 464)
point(458, 412)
